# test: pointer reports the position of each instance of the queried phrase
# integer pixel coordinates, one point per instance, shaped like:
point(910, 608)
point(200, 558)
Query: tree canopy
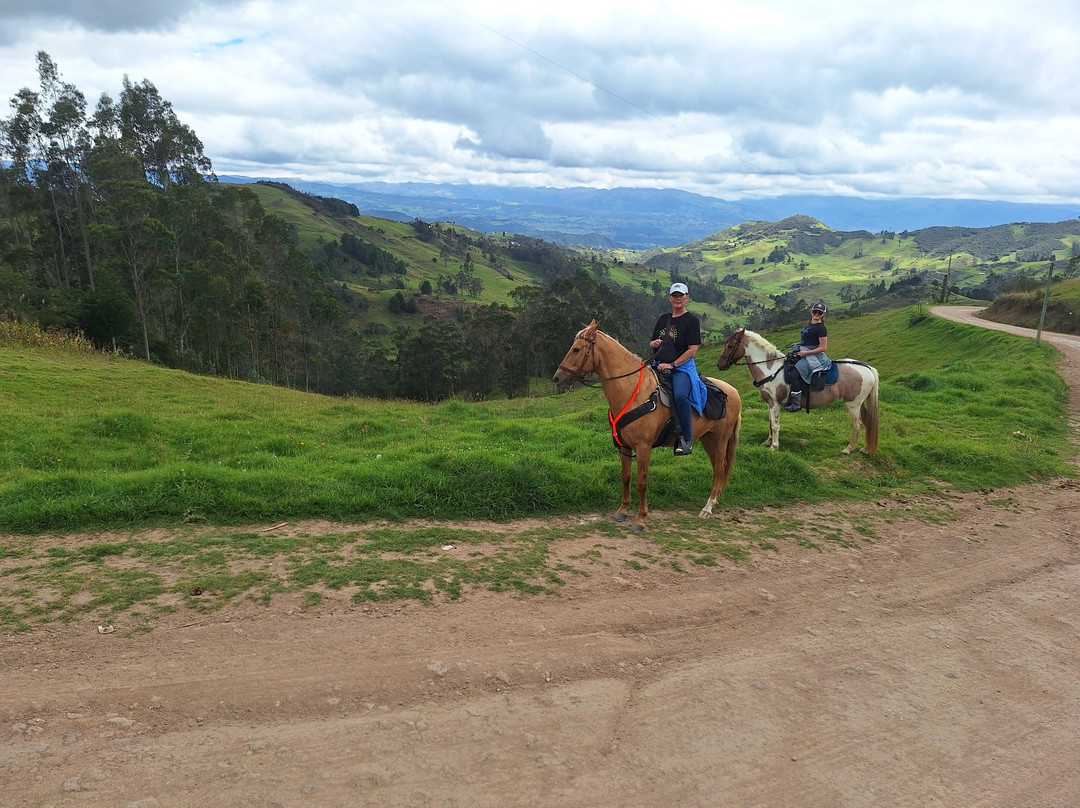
point(112, 223)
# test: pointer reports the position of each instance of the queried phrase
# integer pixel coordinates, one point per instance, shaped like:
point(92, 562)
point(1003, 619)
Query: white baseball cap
point(678, 287)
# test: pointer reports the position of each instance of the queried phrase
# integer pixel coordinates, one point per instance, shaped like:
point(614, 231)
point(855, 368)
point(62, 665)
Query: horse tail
point(733, 441)
point(870, 417)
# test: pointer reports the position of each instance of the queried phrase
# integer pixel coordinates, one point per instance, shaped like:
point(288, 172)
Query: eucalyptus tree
point(46, 140)
point(67, 137)
point(168, 150)
point(491, 360)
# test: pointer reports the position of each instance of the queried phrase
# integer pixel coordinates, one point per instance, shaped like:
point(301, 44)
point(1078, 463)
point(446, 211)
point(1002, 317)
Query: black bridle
point(731, 362)
point(578, 376)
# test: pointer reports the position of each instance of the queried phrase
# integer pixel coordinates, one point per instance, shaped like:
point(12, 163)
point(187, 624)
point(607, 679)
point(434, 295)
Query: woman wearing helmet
point(811, 352)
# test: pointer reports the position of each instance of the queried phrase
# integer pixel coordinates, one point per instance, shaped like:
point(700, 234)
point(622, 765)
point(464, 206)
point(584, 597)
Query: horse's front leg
point(773, 441)
point(620, 515)
point(642, 481)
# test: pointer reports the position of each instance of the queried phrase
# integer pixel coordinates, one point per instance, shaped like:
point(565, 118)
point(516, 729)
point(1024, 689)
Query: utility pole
point(945, 282)
point(1046, 297)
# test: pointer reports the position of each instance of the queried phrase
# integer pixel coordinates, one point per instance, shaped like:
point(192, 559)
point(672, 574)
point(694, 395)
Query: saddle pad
point(716, 403)
point(832, 374)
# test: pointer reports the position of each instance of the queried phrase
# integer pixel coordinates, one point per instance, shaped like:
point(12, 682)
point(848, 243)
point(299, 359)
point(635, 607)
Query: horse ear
point(591, 328)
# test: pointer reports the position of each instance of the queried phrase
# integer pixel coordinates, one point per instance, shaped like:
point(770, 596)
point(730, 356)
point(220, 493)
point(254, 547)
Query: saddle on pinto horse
point(818, 379)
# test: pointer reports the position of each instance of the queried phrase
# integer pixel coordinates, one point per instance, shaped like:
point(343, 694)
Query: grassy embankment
point(1024, 308)
point(106, 448)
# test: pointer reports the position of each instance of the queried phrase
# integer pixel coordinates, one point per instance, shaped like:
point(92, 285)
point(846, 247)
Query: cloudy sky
point(946, 98)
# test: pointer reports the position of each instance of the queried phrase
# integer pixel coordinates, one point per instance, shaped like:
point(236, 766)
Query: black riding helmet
point(819, 306)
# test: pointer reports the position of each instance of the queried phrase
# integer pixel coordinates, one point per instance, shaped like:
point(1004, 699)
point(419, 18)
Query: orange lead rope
point(615, 419)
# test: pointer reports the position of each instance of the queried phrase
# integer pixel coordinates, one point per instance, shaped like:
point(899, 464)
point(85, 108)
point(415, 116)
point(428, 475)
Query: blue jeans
point(680, 386)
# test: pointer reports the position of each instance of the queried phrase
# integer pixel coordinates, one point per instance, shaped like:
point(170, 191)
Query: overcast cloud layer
point(950, 98)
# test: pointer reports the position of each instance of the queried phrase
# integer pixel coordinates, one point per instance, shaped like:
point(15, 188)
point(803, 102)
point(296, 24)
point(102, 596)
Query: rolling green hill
point(264, 283)
point(93, 441)
point(799, 257)
point(739, 275)
point(423, 254)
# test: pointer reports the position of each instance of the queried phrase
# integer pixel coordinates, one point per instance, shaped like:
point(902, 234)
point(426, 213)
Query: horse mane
point(771, 351)
point(626, 351)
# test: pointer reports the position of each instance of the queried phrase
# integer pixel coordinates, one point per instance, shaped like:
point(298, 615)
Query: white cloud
point(862, 96)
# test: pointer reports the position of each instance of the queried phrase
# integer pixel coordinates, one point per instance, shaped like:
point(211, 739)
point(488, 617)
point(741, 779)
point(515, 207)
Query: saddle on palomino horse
point(715, 409)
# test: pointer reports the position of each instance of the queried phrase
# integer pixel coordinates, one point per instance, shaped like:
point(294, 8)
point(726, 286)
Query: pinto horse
point(627, 383)
point(857, 385)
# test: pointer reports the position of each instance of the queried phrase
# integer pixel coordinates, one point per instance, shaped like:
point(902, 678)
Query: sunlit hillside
point(736, 274)
point(800, 257)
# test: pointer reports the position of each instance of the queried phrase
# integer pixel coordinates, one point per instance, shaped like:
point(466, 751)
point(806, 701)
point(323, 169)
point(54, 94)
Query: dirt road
point(936, 665)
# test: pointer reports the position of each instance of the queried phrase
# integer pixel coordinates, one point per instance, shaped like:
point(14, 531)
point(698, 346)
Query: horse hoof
point(618, 517)
point(636, 528)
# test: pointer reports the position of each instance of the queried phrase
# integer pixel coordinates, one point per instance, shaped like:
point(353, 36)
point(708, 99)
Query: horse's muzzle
point(564, 379)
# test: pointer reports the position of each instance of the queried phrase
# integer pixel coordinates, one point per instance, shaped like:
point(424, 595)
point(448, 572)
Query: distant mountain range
point(642, 218)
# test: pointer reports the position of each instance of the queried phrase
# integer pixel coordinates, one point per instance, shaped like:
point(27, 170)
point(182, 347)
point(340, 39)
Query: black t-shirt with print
point(677, 334)
point(811, 335)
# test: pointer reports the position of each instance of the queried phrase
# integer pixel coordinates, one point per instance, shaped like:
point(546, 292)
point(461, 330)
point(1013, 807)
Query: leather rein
point(759, 382)
point(578, 376)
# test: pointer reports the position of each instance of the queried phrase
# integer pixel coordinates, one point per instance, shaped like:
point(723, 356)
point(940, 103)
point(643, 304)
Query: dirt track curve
point(936, 666)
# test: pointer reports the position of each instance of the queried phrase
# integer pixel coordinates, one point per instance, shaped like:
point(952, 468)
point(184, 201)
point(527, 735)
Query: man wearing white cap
point(676, 338)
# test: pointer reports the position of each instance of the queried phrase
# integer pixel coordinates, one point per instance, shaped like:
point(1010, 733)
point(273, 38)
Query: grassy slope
point(399, 238)
point(423, 262)
point(93, 442)
point(103, 446)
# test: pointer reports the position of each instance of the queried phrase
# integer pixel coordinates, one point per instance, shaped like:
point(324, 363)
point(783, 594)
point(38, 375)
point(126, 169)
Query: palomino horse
point(627, 383)
point(857, 386)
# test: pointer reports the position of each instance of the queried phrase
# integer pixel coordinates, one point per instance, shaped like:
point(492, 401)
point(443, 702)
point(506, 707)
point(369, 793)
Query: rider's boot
point(794, 402)
point(682, 440)
point(683, 445)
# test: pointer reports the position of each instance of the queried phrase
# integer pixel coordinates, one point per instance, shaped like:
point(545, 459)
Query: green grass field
point(93, 444)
